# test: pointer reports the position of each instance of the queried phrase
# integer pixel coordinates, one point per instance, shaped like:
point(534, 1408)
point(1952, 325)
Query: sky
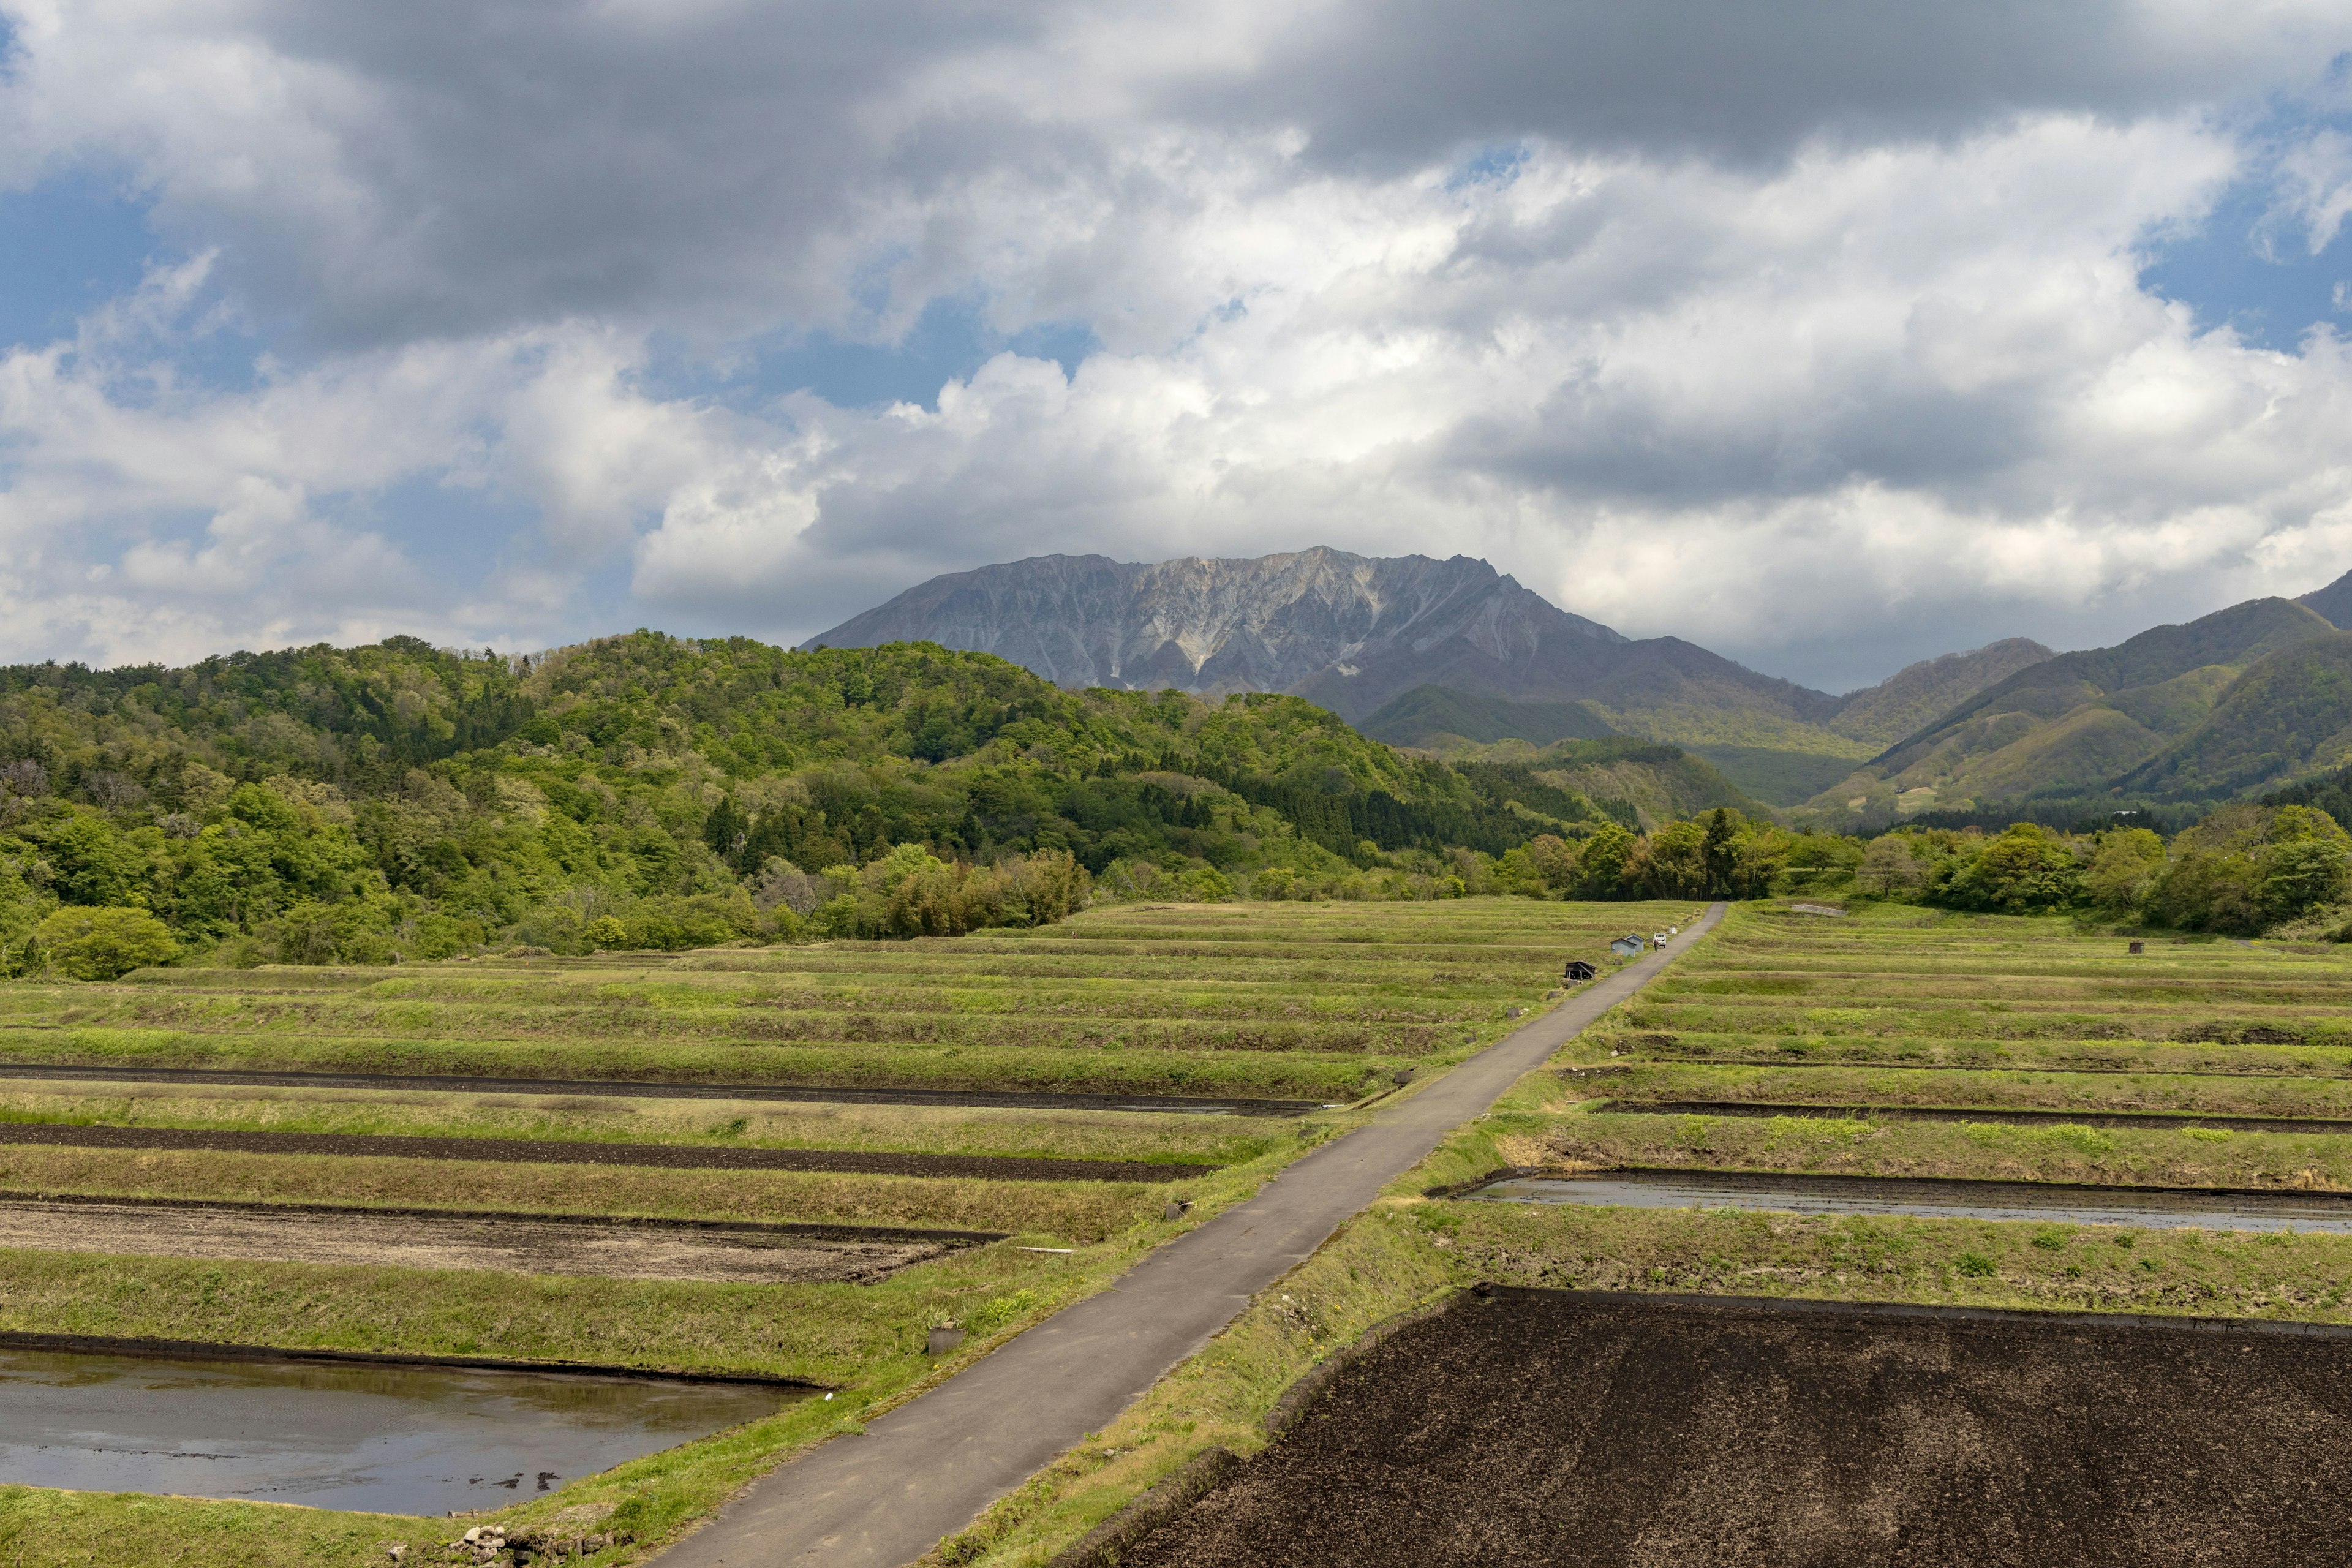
point(1831, 336)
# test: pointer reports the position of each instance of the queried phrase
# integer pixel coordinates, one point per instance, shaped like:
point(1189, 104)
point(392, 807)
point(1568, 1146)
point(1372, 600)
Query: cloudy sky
point(1830, 335)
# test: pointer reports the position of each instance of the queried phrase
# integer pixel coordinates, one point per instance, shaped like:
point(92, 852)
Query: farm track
point(195, 1150)
point(881, 1498)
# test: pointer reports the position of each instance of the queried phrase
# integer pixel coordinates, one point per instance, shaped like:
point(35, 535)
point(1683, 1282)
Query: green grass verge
point(1281, 1000)
point(1058, 1134)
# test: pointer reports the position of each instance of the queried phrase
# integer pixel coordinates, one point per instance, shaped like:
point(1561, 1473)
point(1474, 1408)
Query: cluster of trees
point(2242, 869)
point(396, 801)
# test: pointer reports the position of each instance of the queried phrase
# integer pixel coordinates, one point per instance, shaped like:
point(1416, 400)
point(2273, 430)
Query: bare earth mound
point(1560, 1428)
point(520, 1245)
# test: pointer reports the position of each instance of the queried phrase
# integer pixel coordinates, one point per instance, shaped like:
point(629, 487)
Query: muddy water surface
point(1935, 1199)
point(385, 1439)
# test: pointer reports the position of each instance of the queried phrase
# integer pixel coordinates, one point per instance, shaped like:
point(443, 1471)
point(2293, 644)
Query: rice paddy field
point(1901, 1041)
point(1285, 1024)
point(1791, 1050)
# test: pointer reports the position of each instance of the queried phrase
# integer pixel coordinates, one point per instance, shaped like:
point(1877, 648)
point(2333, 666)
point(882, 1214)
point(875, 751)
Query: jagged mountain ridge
point(1211, 626)
point(1462, 653)
point(1349, 632)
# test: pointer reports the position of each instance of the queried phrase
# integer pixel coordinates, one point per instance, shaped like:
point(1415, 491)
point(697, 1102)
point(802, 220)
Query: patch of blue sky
point(2250, 265)
point(2237, 270)
point(79, 242)
point(468, 534)
point(67, 247)
point(1491, 164)
point(948, 342)
point(605, 597)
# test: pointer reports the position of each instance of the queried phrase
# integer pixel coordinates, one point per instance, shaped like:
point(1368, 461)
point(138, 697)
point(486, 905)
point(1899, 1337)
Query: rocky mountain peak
point(1269, 623)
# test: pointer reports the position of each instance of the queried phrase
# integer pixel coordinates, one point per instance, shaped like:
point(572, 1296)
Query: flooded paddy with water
point(2047, 1202)
point(385, 1438)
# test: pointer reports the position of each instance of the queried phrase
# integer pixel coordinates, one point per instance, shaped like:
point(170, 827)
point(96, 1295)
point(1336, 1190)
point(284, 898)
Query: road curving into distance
point(884, 1497)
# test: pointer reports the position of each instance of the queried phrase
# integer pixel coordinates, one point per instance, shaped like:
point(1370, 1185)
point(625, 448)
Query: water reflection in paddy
point(388, 1439)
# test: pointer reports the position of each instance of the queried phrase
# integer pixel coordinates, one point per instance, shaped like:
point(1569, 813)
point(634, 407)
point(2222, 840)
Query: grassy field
point(1889, 1006)
point(1312, 1000)
point(1902, 1008)
point(1321, 1001)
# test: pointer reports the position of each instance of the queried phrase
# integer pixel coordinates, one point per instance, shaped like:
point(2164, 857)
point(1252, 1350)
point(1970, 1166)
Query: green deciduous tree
point(103, 943)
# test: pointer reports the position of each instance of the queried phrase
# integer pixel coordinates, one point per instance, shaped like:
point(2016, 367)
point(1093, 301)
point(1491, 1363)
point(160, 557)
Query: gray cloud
point(397, 172)
point(1832, 307)
point(1398, 81)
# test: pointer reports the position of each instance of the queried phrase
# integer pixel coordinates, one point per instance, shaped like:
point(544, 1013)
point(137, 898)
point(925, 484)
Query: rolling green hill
point(1661, 782)
point(1439, 718)
point(2289, 713)
point(1919, 694)
point(1780, 778)
point(2080, 723)
point(360, 803)
point(1774, 764)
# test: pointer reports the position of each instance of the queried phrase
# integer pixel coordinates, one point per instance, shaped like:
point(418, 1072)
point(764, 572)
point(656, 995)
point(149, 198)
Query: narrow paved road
point(926, 1470)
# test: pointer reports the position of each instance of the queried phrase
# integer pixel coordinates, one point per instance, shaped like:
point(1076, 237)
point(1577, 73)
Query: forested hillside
point(2095, 730)
point(646, 791)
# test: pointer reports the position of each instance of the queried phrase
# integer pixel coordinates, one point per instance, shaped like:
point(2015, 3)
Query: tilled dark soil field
point(547, 1151)
point(1566, 1429)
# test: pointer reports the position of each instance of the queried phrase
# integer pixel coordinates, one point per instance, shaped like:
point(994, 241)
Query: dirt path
point(883, 1498)
point(520, 1245)
point(541, 1151)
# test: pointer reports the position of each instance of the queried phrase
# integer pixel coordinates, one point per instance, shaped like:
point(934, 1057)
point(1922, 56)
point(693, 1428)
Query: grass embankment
point(1886, 986)
point(1319, 1001)
point(1171, 1138)
point(2116, 1156)
point(2219, 1094)
point(1971, 1003)
point(1897, 986)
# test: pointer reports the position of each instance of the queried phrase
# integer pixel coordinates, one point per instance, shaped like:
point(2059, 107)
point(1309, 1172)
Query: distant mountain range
point(1409, 647)
point(1452, 655)
point(2247, 697)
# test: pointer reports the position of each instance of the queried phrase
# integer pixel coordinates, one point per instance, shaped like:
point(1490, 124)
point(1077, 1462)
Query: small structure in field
point(1578, 971)
point(1628, 946)
point(2137, 947)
